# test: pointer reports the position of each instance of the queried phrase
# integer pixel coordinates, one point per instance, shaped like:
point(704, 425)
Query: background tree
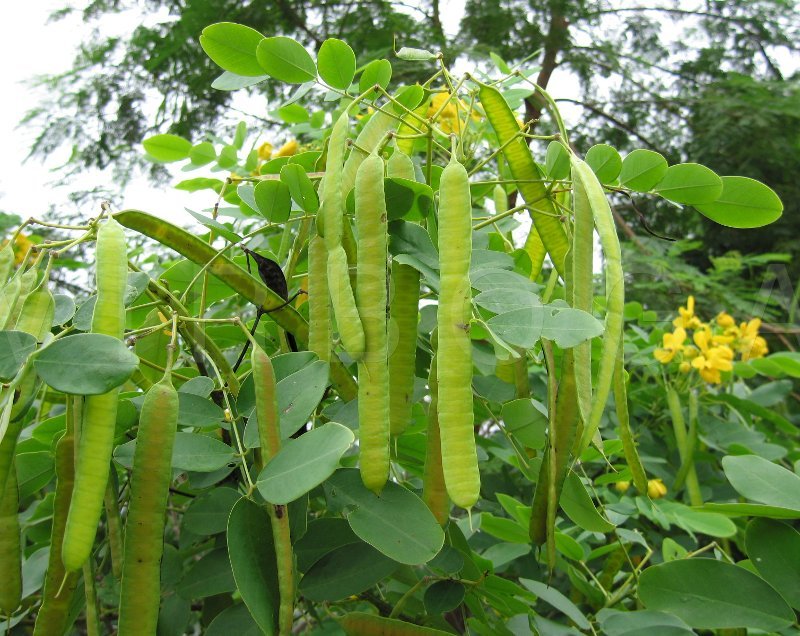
point(664, 75)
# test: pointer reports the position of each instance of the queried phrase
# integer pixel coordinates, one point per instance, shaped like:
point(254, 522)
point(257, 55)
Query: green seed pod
point(319, 302)
point(99, 411)
point(140, 593)
point(373, 372)
point(456, 418)
point(344, 305)
point(434, 493)
point(6, 262)
point(332, 207)
point(404, 313)
point(10, 549)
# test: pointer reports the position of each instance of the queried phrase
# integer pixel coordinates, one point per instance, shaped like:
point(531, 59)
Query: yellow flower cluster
point(448, 119)
point(713, 345)
point(266, 151)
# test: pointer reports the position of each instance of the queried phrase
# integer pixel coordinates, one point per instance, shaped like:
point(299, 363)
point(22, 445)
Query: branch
point(617, 122)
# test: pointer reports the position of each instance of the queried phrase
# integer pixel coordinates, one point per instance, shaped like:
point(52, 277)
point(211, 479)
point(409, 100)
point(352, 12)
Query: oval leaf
point(85, 364)
point(337, 63)
point(15, 347)
point(345, 571)
point(233, 47)
point(642, 170)
point(167, 148)
point(193, 452)
point(300, 187)
point(556, 162)
point(690, 183)
point(273, 200)
point(774, 550)
point(253, 562)
point(710, 594)
point(304, 463)
point(743, 203)
point(760, 480)
point(286, 60)
point(376, 72)
point(396, 522)
point(605, 162)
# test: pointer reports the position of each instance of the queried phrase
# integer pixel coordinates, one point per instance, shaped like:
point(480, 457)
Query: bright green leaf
point(233, 47)
point(337, 63)
point(744, 203)
point(167, 148)
point(642, 170)
point(605, 162)
point(286, 60)
point(690, 183)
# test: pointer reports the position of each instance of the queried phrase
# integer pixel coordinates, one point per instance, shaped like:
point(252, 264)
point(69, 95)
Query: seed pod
point(332, 207)
point(344, 304)
point(10, 549)
point(454, 373)
point(434, 493)
point(140, 593)
point(100, 411)
point(53, 615)
point(319, 302)
point(6, 262)
point(404, 313)
point(373, 372)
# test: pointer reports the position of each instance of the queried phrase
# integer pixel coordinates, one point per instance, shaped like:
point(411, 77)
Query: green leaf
point(212, 224)
point(252, 557)
point(410, 97)
point(504, 529)
point(64, 310)
point(443, 596)
point(376, 72)
point(209, 576)
point(744, 203)
point(85, 364)
point(337, 63)
point(605, 162)
point(233, 47)
point(167, 148)
point(396, 522)
point(233, 82)
point(579, 507)
point(565, 325)
point(15, 347)
point(300, 187)
point(347, 570)
point(406, 198)
point(208, 513)
point(293, 114)
point(304, 463)
point(299, 394)
point(410, 244)
point(235, 619)
point(556, 162)
point(702, 521)
point(192, 451)
point(323, 535)
point(752, 510)
point(200, 183)
point(642, 170)
point(710, 594)
point(273, 200)
point(556, 599)
point(525, 423)
point(228, 157)
point(774, 550)
point(202, 153)
point(641, 623)
point(499, 301)
point(762, 481)
point(286, 60)
point(690, 183)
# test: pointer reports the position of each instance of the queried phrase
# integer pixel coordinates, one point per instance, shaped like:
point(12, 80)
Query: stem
point(679, 428)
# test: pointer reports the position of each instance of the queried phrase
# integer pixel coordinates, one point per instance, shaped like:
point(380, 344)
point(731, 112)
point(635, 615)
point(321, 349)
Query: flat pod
point(319, 302)
point(10, 549)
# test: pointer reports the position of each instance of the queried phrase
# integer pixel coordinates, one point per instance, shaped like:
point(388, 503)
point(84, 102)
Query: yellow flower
point(448, 118)
point(672, 345)
point(711, 359)
point(685, 366)
point(622, 486)
point(687, 319)
point(725, 320)
point(690, 352)
point(265, 151)
point(288, 149)
point(656, 488)
point(750, 344)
